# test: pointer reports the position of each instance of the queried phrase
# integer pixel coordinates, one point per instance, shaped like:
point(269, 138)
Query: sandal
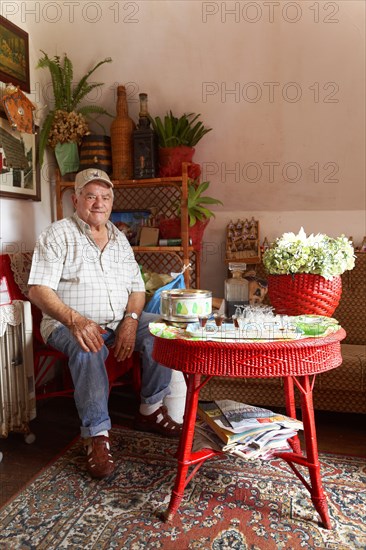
point(163, 426)
point(99, 461)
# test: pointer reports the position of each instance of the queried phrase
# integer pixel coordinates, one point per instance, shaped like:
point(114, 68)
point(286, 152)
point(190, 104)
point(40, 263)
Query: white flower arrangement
point(316, 254)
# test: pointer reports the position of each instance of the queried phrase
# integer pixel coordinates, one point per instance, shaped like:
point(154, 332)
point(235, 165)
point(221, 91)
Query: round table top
point(251, 360)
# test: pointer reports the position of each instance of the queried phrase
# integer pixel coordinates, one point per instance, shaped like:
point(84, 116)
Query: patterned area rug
point(230, 504)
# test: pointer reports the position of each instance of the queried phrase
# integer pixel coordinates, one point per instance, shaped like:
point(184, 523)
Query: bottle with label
point(236, 289)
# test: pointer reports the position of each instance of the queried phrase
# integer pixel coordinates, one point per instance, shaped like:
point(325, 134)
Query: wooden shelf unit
point(160, 193)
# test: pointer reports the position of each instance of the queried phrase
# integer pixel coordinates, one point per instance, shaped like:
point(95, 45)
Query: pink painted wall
point(281, 83)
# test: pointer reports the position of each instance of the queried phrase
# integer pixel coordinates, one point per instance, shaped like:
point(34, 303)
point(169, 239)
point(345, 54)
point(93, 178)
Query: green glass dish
point(315, 325)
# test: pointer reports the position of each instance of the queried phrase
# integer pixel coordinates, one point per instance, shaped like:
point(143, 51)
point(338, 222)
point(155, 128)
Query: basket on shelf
point(304, 294)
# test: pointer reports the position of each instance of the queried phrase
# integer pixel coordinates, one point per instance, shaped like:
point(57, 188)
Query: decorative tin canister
point(185, 305)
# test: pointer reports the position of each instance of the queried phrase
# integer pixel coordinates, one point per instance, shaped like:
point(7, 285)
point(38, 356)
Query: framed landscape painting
point(19, 166)
point(14, 55)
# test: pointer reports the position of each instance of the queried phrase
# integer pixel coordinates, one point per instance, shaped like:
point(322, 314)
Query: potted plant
point(177, 138)
point(198, 214)
point(304, 272)
point(66, 124)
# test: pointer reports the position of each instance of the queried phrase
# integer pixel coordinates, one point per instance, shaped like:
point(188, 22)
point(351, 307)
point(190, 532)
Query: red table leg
point(318, 496)
point(311, 460)
point(291, 409)
point(185, 445)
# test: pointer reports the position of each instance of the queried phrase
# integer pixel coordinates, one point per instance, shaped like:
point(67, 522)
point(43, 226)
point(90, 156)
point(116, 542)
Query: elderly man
point(86, 281)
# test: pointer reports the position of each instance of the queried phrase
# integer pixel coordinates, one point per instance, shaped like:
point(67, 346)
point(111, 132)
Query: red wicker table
point(296, 361)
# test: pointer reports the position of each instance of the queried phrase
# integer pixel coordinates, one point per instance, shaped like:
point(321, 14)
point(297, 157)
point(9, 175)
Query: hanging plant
point(67, 121)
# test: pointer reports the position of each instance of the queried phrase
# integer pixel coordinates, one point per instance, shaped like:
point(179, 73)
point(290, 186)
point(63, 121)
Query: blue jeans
point(90, 377)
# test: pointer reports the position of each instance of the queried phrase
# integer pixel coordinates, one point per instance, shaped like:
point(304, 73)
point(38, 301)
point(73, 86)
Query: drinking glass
point(219, 319)
point(202, 319)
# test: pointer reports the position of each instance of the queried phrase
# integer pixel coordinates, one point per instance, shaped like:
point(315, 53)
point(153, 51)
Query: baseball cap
point(89, 175)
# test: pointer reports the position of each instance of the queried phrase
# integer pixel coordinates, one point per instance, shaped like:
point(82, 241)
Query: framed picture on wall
point(14, 58)
point(19, 166)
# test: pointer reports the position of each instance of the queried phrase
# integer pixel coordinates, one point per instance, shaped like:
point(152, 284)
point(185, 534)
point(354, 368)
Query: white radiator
point(17, 390)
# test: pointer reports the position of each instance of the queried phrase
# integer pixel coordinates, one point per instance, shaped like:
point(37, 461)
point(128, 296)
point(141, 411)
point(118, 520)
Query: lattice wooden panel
point(167, 263)
point(161, 200)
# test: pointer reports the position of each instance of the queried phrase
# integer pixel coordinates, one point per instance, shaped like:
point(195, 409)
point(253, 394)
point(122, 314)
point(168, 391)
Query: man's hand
point(125, 339)
point(87, 333)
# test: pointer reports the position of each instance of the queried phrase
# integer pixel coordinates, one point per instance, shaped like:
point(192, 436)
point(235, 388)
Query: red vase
point(196, 233)
point(170, 229)
point(304, 294)
point(171, 159)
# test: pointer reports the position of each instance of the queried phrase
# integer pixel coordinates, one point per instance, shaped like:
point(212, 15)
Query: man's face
point(94, 204)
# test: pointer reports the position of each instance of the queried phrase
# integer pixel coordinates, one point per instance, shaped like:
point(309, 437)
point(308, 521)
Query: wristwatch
point(133, 315)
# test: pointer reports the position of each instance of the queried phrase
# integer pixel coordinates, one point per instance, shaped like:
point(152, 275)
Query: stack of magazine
point(245, 430)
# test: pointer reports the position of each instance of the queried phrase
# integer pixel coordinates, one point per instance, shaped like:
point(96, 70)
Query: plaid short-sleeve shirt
point(95, 283)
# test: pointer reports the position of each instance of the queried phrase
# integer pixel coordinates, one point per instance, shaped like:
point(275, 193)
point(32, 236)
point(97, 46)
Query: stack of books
point(245, 430)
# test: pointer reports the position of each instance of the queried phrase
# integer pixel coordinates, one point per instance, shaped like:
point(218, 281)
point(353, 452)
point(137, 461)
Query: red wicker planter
point(171, 159)
point(304, 293)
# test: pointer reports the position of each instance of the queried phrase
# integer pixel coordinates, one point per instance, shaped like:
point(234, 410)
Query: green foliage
point(45, 131)
point(172, 131)
point(67, 96)
point(197, 203)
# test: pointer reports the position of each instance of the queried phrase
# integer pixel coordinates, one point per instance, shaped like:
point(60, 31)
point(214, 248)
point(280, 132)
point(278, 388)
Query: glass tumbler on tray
point(219, 318)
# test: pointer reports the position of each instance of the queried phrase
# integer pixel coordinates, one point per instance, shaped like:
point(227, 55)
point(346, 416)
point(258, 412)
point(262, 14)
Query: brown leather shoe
point(99, 460)
point(163, 426)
